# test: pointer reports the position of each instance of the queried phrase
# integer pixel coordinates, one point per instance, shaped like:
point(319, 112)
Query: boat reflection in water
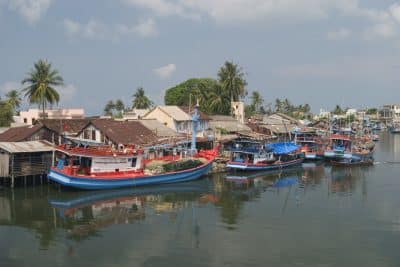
point(84, 213)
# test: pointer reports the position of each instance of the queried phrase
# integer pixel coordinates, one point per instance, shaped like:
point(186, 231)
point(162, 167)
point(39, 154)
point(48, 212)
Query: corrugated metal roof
point(26, 147)
point(176, 113)
point(158, 128)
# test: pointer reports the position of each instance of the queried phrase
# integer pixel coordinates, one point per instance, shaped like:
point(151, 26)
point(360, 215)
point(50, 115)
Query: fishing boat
point(348, 149)
point(311, 144)
point(395, 128)
point(108, 168)
point(254, 156)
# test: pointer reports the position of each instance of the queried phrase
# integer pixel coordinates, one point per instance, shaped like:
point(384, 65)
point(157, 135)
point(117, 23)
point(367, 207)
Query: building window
point(93, 134)
point(86, 134)
point(25, 120)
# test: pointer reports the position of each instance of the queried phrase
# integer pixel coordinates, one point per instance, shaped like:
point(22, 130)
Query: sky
point(321, 52)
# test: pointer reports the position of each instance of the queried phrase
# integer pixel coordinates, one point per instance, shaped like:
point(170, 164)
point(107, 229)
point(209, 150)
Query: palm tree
point(42, 79)
point(109, 108)
point(256, 100)
point(119, 105)
point(338, 110)
point(13, 97)
point(140, 100)
point(219, 102)
point(232, 80)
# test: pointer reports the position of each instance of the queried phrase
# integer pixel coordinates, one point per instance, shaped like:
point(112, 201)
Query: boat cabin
point(92, 162)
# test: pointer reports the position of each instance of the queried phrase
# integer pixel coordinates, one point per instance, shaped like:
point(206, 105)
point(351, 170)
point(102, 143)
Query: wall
point(162, 117)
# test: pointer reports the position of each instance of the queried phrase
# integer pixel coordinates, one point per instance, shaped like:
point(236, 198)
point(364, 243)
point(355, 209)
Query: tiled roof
point(72, 126)
point(18, 134)
point(125, 132)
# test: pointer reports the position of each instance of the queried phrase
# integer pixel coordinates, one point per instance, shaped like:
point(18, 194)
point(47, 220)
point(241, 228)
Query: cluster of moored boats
point(107, 167)
point(340, 148)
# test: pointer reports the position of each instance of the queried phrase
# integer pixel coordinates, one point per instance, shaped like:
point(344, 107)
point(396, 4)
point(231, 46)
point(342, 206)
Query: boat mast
point(195, 120)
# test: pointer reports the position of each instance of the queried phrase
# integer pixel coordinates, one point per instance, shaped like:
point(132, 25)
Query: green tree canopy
point(41, 81)
point(140, 100)
point(211, 96)
point(6, 113)
point(14, 98)
point(231, 78)
point(338, 110)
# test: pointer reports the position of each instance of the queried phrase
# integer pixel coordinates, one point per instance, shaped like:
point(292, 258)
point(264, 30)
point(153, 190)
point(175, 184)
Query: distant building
point(390, 112)
point(238, 111)
point(134, 114)
point(30, 116)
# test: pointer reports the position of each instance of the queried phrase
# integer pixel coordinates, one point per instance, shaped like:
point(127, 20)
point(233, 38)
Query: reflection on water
point(316, 215)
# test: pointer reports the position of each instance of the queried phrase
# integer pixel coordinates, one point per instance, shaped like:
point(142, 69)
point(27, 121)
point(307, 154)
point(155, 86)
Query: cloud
point(8, 86)
point(381, 30)
point(165, 71)
point(97, 30)
point(30, 10)
point(394, 11)
point(67, 93)
point(339, 34)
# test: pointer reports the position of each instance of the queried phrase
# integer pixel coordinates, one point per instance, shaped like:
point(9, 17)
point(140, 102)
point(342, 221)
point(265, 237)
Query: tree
point(41, 81)
point(372, 111)
point(231, 78)
point(338, 110)
point(13, 97)
point(140, 100)
point(213, 99)
point(119, 105)
point(256, 101)
point(6, 113)
point(109, 108)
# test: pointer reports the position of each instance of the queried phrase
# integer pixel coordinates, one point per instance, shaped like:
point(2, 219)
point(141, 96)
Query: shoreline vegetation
point(214, 95)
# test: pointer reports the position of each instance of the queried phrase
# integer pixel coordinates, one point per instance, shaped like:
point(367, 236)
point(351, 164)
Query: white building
point(238, 111)
point(31, 115)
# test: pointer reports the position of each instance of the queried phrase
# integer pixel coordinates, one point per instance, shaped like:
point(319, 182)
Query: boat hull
point(263, 167)
point(97, 183)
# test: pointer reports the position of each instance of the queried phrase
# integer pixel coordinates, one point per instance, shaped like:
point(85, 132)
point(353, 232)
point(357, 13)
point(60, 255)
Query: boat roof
point(281, 148)
point(93, 152)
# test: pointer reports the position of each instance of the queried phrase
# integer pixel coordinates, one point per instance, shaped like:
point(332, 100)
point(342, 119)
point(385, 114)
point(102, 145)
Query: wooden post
point(12, 171)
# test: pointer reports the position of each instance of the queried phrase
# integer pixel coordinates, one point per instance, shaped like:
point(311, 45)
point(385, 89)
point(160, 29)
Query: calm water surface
point(315, 216)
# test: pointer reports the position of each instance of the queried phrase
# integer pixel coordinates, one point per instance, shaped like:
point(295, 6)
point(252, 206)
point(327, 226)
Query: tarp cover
point(282, 148)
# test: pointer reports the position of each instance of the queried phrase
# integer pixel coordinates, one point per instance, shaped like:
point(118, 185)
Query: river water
point(317, 215)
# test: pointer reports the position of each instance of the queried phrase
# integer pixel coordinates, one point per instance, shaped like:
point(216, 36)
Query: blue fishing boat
point(107, 168)
point(347, 149)
point(258, 157)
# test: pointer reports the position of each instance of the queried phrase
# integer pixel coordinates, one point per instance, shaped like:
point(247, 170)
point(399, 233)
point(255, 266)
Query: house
point(178, 119)
point(52, 130)
point(22, 159)
point(134, 114)
point(159, 129)
point(277, 124)
point(30, 116)
point(108, 131)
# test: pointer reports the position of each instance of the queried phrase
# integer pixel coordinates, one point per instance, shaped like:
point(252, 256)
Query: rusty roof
point(26, 147)
point(18, 134)
point(125, 132)
point(72, 126)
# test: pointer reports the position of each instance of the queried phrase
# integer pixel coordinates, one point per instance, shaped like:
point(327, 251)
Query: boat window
point(133, 163)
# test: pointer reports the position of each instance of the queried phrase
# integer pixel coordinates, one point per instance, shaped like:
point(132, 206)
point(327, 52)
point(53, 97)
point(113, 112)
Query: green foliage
point(41, 81)
point(6, 113)
point(231, 78)
point(14, 99)
point(114, 109)
point(338, 110)
point(182, 165)
point(140, 100)
point(249, 110)
point(212, 98)
point(286, 107)
point(372, 111)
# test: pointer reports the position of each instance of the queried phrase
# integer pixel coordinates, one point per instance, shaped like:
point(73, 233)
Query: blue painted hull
point(104, 183)
point(251, 167)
